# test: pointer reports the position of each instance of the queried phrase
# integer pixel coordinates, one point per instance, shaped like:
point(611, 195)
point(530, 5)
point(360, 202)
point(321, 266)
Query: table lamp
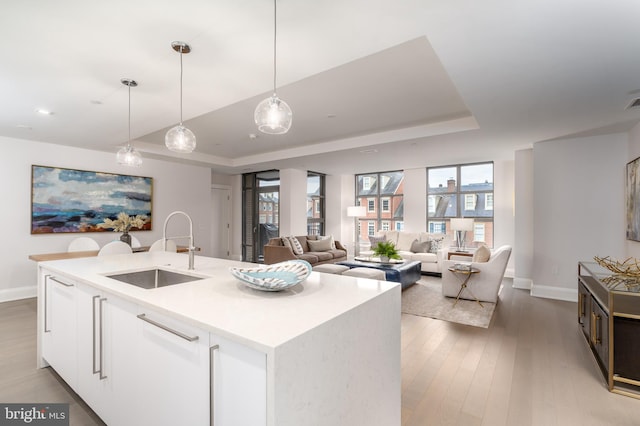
point(461, 226)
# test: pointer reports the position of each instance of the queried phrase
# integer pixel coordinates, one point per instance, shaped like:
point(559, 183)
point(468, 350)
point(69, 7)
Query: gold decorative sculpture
point(625, 273)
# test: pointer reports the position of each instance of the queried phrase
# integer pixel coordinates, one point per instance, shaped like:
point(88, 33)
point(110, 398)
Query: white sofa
point(430, 262)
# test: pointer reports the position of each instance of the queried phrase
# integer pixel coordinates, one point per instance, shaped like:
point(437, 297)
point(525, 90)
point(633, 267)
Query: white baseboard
point(522, 283)
point(18, 293)
point(558, 293)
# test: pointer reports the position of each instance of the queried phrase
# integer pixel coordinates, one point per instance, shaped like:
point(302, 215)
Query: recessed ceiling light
point(24, 126)
point(369, 151)
point(44, 111)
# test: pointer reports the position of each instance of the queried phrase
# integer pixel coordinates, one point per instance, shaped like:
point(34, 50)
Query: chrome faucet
point(192, 248)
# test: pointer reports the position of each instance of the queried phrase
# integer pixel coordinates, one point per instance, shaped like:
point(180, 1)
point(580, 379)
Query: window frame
point(316, 223)
point(372, 187)
point(466, 199)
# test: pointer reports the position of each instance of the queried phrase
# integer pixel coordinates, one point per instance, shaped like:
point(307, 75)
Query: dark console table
point(609, 316)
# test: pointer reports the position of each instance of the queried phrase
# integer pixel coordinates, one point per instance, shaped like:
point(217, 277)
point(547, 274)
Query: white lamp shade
point(356, 211)
point(461, 224)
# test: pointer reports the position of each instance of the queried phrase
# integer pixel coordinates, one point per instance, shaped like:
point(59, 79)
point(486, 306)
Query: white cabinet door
point(107, 335)
point(173, 372)
point(239, 374)
point(59, 337)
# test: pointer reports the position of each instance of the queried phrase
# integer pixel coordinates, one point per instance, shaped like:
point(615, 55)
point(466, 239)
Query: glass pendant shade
point(273, 116)
point(180, 139)
point(128, 156)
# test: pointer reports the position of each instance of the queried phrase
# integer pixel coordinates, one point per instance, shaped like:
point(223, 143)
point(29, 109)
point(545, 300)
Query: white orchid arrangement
point(124, 222)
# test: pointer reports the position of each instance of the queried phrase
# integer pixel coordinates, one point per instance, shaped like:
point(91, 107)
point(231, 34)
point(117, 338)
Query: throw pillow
point(319, 245)
point(436, 244)
point(482, 254)
point(405, 239)
point(373, 240)
point(420, 246)
point(286, 242)
point(330, 238)
point(296, 246)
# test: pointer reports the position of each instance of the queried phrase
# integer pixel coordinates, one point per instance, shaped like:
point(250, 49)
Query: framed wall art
point(67, 200)
point(633, 200)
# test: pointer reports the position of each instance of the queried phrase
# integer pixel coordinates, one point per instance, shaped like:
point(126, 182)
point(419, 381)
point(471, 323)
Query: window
point(464, 190)
point(382, 194)
point(385, 204)
point(366, 183)
point(436, 228)
point(371, 228)
point(469, 202)
point(431, 204)
point(478, 232)
point(315, 203)
point(488, 203)
point(399, 226)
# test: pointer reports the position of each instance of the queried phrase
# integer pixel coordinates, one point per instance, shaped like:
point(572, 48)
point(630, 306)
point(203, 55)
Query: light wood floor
point(20, 380)
point(530, 367)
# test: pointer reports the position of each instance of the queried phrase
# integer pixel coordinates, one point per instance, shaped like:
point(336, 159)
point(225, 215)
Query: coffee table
point(406, 273)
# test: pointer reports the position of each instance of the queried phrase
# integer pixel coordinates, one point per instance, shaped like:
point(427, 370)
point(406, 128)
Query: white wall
point(293, 202)
point(175, 187)
point(578, 209)
point(415, 199)
point(340, 190)
point(523, 226)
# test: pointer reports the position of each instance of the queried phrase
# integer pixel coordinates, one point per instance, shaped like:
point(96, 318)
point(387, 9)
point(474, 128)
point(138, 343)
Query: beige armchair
point(484, 285)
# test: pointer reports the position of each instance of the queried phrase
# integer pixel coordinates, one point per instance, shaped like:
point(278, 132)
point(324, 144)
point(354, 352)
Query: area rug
point(425, 299)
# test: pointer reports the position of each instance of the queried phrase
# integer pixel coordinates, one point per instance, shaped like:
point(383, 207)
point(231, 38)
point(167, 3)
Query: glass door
point(261, 212)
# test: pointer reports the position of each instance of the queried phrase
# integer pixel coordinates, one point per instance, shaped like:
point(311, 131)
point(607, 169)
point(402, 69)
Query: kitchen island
point(213, 351)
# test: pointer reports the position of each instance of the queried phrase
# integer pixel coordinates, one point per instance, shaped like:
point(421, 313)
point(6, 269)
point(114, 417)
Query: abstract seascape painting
point(67, 200)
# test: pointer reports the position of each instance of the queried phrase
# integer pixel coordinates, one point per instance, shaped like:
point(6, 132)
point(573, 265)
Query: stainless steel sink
point(153, 278)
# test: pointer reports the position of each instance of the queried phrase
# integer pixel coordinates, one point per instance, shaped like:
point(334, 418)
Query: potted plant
point(386, 250)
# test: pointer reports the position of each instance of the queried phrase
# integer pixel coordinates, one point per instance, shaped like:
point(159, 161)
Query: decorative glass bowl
point(276, 277)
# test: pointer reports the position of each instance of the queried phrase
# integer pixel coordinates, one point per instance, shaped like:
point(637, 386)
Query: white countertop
point(224, 305)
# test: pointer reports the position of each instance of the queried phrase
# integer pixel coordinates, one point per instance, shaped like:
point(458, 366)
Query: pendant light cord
point(181, 47)
point(275, 31)
point(129, 140)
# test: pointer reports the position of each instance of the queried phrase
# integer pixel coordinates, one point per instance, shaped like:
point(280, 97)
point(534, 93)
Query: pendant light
point(127, 155)
point(179, 138)
point(273, 115)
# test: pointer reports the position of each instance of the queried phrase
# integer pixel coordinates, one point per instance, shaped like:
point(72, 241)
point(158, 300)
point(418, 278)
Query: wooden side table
point(459, 253)
point(465, 275)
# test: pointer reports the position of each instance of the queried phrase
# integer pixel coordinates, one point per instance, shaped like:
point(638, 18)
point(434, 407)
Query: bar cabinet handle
point(143, 317)
point(212, 349)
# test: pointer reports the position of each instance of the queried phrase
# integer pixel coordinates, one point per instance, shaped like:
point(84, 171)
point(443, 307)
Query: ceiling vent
point(634, 103)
